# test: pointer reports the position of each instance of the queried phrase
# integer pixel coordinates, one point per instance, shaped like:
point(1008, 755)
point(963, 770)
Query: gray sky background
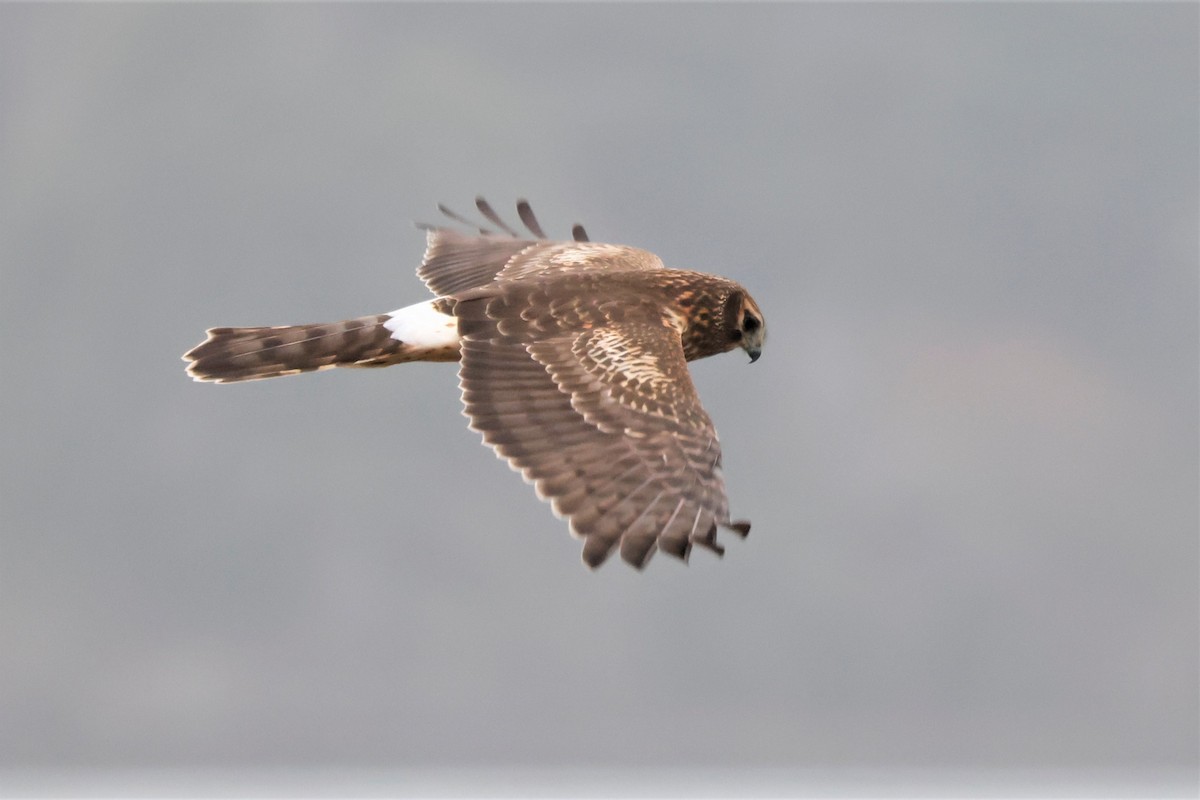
point(969, 450)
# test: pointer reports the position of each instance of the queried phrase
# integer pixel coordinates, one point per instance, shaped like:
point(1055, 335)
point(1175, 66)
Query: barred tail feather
point(247, 354)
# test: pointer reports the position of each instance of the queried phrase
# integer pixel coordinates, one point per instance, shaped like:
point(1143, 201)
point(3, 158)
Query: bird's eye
point(750, 323)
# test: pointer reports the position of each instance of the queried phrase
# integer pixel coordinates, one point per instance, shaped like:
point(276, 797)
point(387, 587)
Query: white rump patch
point(421, 325)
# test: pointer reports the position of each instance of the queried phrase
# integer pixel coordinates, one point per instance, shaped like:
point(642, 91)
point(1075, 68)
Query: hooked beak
point(753, 342)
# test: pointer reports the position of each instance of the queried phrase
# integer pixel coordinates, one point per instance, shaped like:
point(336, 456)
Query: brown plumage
point(241, 354)
point(573, 367)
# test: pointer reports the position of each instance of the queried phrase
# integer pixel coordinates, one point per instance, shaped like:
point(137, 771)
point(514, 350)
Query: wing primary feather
point(674, 514)
point(486, 209)
point(637, 464)
point(631, 495)
point(637, 550)
point(669, 543)
point(454, 215)
point(579, 233)
point(526, 213)
point(741, 527)
point(596, 550)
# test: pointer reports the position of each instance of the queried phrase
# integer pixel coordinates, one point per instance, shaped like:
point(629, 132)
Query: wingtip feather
point(741, 527)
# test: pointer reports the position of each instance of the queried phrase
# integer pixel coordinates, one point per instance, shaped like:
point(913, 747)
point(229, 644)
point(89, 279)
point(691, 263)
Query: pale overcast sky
point(969, 450)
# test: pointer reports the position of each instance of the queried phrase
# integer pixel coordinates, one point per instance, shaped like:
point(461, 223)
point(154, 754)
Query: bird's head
point(744, 324)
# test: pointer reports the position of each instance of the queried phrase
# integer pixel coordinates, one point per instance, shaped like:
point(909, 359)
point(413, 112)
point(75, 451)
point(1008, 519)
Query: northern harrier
point(573, 367)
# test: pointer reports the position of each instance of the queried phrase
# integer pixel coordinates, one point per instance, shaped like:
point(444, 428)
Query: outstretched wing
point(456, 261)
point(604, 421)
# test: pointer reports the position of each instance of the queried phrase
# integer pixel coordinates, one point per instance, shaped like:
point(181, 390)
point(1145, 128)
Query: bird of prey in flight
point(572, 364)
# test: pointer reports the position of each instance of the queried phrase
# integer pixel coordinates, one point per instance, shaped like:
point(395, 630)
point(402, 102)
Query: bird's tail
point(248, 354)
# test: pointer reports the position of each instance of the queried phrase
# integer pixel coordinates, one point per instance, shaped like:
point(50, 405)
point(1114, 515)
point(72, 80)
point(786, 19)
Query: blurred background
point(969, 450)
